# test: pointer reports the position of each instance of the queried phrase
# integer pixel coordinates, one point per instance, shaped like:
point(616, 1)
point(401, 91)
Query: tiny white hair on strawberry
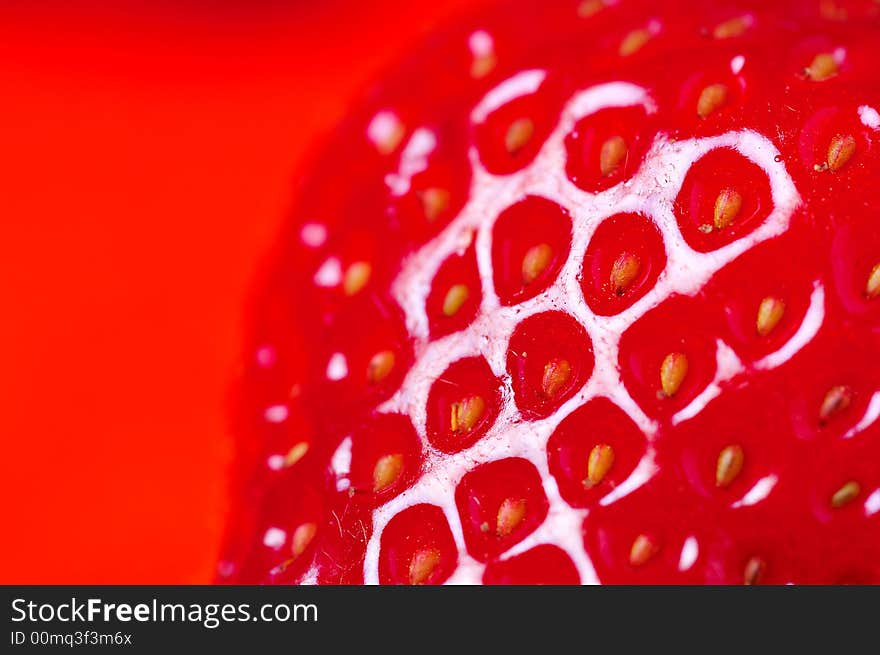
point(651, 191)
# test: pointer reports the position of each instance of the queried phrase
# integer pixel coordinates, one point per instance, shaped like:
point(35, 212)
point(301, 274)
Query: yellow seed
point(535, 262)
point(302, 537)
point(510, 515)
point(380, 366)
point(754, 571)
point(434, 202)
point(557, 373)
point(296, 453)
point(422, 565)
point(770, 312)
point(727, 206)
point(642, 550)
point(624, 271)
point(356, 277)
point(840, 151)
point(599, 463)
point(872, 288)
point(455, 298)
point(711, 98)
point(672, 373)
point(730, 463)
point(823, 67)
point(836, 400)
point(387, 471)
point(466, 413)
point(732, 28)
point(612, 155)
point(846, 494)
point(483, 64)
point(589, 8)
point(518, 135)
point(633, 42)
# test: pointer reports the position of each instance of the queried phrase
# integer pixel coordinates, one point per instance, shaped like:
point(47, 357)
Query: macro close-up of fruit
point(579, 292)
point(468, 292)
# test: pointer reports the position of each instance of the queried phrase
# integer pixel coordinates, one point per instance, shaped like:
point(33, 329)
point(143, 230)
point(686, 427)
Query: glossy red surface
point(149, 151)
point(726, 360)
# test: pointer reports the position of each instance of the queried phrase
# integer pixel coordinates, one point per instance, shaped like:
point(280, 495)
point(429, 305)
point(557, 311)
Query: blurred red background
point(148, 150)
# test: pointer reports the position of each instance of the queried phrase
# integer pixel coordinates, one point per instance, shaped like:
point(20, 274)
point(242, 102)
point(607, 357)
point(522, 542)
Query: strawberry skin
point(585, 292)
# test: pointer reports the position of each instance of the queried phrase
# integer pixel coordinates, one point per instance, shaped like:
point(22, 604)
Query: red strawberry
point(589, 291)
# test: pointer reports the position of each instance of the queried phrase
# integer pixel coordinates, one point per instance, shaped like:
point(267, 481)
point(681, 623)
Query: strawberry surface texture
point(584, 292)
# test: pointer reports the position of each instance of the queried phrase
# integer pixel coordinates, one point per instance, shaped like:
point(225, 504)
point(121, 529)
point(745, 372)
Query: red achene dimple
point(543, 564)
point(385, 457)
point(600, 431)
point(499, 503)
point(462, 404)
point(549, 358)
point(623, 261)
point(530, 243)
point(669, 356)
point(589, 287)
point(455, 295)
point(511, 136)
point(417, 548)
point(606, 148)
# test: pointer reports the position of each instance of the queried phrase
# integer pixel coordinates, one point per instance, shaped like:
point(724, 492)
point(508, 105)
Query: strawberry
point(586, 292)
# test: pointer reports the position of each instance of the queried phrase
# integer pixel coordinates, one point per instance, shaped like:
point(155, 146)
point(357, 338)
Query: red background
point(146, 156)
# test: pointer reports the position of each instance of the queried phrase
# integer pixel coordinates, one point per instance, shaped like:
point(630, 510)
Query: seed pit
point(500, 503)
point(462, 405)
point(386, 456)
point(622, 262)
point(606, 148)
point(417, 548)
point(724, 196)
point(549, 358)
point(456, 294)
point(530, 243)
point(665, 367)
point(593, 450)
